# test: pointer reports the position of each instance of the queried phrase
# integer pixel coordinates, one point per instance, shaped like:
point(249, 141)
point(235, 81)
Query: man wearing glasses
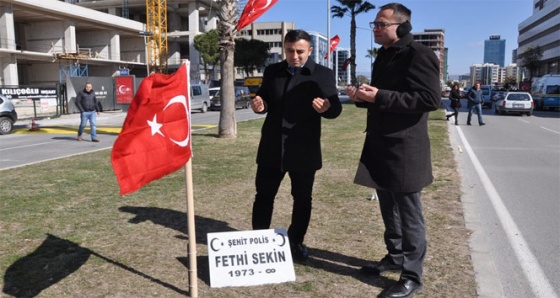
point(396, 158)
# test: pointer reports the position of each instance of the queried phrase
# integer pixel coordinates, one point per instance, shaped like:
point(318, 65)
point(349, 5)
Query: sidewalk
point(107, 118)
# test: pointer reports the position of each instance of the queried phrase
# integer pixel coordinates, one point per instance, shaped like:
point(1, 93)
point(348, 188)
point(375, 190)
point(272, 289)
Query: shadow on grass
point(52, 261)
point(208, 135)
point(331, 262)
point(177, 221)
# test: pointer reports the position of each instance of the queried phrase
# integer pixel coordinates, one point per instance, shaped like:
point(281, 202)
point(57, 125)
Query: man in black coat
point(88, 106)
point(396, 155)
point(295, 94)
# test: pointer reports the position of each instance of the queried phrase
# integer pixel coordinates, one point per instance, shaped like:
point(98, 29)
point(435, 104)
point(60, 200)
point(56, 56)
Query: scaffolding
point(156, 25)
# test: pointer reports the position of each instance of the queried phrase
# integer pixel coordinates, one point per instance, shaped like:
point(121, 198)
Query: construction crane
point(156, 41)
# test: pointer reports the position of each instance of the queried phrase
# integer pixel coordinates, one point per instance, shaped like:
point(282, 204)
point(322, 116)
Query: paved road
point(56, 138)
point(511, 182)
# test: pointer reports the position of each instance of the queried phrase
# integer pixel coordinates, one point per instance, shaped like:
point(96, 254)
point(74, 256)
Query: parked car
point(546, 92)
point(213, 91)
point(486, 96)
point(497, 95)
point(8, 115)
point(464, 92)
point(242, 99)
point(514, 102)
point(200, 97)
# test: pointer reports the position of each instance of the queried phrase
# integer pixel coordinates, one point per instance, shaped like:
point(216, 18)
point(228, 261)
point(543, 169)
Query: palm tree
point(352, 8)
point(371, 54)
point(227, 127)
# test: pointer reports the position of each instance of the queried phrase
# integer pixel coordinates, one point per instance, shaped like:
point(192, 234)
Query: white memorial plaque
point(247, 258)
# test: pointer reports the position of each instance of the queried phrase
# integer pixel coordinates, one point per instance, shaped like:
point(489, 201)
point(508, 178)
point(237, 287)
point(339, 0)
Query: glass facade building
point(495, 50)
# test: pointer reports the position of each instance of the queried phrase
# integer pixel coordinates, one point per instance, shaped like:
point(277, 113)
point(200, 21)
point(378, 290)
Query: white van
point(546, 92)
point(200, 97)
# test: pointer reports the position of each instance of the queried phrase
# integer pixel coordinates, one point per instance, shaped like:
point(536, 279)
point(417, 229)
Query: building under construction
point(43, 41)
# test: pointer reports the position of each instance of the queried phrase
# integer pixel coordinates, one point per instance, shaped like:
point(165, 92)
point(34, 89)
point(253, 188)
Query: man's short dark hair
point(295, 35)
point(400, 11)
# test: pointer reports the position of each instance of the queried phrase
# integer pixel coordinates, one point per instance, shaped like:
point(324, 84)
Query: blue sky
point(466, 23)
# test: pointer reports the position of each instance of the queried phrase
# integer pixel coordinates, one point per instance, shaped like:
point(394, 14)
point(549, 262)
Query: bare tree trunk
point(227, 127)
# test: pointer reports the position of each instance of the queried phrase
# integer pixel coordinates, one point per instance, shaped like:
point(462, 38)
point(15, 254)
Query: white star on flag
point(155, 126)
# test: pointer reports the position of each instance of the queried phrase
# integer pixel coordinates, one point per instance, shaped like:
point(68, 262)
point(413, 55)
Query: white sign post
point(247, 258)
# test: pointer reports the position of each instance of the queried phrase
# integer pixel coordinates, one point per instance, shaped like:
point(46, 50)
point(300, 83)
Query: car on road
point(486, 96)
point(514, 102)
point(8, 115)
point(213, 91)
point(242, 99)
point(546, 92)
point(200, 97)
point(498, 94)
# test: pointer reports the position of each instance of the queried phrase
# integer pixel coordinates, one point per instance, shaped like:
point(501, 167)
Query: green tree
point(510, 82)
point(372, 54)
point(227, 126)
point(250, 54)
point(351, 8)
point(362, 79)
point(531, 59)
point(208, 46)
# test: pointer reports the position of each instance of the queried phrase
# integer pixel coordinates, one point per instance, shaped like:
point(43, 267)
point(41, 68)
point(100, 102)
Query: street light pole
point(370, 46)
point(329, 32)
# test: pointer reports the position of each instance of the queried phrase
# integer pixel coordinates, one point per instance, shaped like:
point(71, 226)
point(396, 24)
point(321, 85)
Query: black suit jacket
point(291, 133)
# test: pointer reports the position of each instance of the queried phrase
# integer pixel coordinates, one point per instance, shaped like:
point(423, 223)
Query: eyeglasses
point(374, 25)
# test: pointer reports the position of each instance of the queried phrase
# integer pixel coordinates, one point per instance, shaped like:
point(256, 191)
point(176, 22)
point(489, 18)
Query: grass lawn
point(65, 232)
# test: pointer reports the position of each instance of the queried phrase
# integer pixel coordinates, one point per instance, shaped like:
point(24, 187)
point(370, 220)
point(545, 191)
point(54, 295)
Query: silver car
point(8, 115)
point(514, 102)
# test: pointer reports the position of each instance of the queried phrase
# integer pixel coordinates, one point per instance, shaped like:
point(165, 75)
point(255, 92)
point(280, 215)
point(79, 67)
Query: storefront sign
point(28, 92)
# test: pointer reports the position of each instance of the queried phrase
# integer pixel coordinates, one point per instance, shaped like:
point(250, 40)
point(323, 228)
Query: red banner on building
point(124, 86)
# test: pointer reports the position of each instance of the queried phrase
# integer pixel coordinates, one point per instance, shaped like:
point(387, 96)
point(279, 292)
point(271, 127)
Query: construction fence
point(113, 93)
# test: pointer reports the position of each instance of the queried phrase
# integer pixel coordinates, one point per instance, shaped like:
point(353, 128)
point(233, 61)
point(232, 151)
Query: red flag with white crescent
point(346, 63)
point(334, 42)
point(253, 10)
point(155, 138)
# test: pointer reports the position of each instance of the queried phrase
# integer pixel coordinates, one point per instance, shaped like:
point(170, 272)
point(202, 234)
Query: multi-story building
point(339, 57)
point(512, 71)
point(435, 40)
point(487, 74)
point(43, 43)
point(541, 29)
point(320, 46)
point(495, 50)
point(492, 74)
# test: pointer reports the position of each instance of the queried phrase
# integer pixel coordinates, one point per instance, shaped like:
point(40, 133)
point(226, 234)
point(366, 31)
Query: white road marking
point(554, 131)
point(33, 145)
point(539, 283)
point(55, 158)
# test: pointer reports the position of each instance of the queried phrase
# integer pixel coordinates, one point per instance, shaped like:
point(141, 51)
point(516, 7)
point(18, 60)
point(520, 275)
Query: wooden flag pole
point(191, 254)
point(193, 276)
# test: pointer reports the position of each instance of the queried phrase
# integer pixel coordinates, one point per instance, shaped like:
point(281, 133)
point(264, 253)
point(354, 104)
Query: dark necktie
point(293, 70)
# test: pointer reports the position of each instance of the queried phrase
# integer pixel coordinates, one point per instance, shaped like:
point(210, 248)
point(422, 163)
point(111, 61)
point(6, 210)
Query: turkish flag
point(155, 137)
point(346, 63)
point(334, 42)
point(252, 11)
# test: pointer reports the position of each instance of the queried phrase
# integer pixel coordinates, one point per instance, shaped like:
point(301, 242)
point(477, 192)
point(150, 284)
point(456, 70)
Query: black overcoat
point(291, 133)
point(396, 151)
